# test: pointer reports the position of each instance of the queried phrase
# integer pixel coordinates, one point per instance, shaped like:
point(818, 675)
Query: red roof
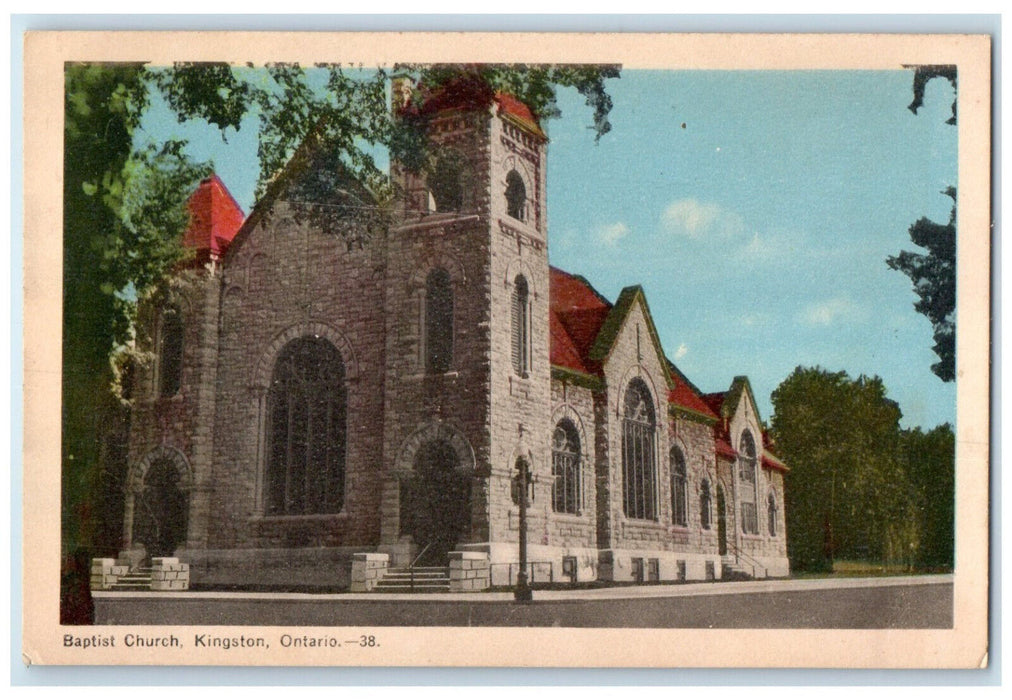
point(684, 396)
point(519, 111)
point(724, 448)
point(215, 218)
point(576, 314)
point(469, 91)
point(771, 461)
point(715, 401)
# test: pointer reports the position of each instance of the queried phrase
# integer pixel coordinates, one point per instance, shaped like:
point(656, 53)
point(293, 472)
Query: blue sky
point(759, 230)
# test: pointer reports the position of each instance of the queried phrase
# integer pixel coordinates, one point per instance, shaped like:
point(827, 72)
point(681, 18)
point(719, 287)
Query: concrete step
point(418, 576)
point(422, 579)
point(416, 588)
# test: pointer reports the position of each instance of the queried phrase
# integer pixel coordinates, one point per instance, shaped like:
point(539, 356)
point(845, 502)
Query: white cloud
point(682, 350)
point(692, 218)
point(759, 246)
point(827, 312)
point(610, 234)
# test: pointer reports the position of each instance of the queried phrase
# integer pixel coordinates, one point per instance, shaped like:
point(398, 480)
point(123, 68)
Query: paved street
point(900, 602)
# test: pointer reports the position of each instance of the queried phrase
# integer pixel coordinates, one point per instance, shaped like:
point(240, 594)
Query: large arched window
point(306, 426)
point(639, 487)
point(516, 196)
point(438, 322)
point(566, 468)
point(679, 489)
point(520, 326)
point(771, 514)
point(170, 352)
point(705, 505)
point(747, 463)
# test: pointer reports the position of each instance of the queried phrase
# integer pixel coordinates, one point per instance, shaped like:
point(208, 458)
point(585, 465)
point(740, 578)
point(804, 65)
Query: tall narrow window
point(771, 514)
point(679, 489)
point(747, 484)
point(170, 353)
point(566, 468)
point(445, 184)
point(519, 329)
point(306, 427)
point(705, 506)
point(438, 322)
point(516, 196)
point(639, 488)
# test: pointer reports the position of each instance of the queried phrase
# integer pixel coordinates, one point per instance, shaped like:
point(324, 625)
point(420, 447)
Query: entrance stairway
point(739, 566)
point(417, 579)
point(138, 579)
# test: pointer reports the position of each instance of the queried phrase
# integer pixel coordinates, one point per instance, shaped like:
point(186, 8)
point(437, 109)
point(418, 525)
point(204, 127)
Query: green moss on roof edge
point(577, 378)
point(613, 324)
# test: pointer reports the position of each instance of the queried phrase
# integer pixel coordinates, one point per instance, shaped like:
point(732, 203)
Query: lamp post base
point(522, 593)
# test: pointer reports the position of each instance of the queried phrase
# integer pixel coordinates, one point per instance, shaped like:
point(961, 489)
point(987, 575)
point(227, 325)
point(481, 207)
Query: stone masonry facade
point(444, 352)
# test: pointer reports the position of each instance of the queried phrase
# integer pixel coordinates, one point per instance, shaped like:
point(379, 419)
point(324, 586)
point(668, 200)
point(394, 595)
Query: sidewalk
point(583, 594)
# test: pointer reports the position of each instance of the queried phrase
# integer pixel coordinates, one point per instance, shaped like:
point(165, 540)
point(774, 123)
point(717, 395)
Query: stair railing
point(420, 555)
point(411, 567)
point(748, 559)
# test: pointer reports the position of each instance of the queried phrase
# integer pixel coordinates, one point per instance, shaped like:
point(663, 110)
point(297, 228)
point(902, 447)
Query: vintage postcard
point(506, 350)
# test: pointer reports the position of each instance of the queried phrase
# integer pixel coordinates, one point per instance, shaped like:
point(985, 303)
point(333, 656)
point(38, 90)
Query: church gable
point(630, 324)
point(317, 189)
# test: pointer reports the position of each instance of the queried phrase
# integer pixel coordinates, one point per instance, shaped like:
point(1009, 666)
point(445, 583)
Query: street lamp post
point(522, 593)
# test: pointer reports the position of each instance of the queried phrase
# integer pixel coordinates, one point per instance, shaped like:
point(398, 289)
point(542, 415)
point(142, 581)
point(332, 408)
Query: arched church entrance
point(436, 502)
point(160, 508)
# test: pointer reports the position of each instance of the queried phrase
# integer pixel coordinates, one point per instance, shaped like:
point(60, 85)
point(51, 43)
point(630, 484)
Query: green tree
point(124, 215)
point(929, 458)
point(847, 493)
point(934, 273)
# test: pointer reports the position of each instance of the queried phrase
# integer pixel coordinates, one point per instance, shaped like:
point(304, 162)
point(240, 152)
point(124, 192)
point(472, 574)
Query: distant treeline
point(860, 486)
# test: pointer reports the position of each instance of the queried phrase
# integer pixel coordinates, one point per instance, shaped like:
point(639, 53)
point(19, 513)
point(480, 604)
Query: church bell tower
point(467, 351)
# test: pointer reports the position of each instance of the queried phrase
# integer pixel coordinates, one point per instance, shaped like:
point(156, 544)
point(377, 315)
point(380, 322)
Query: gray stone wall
point(457, 242)
point(290, 280)
point(183, 422)
point(696, 442)
point(630, 359)
point(769, 550)
point(520, 404)
point(576, 404)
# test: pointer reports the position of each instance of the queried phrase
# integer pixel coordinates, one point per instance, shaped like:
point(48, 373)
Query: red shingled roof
point(724, 448)
point(771, 461)
point(215, 218)
point(684, 396)
point(469, 91)
point(576, 314)
point(519, 111)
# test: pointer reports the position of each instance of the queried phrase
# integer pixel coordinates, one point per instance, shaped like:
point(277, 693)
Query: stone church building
point(324, 382)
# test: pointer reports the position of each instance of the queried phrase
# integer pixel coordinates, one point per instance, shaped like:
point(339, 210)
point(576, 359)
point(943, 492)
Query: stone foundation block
point(469, 571)
point(366, 569)
point(168, 574)
point(105, 573)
